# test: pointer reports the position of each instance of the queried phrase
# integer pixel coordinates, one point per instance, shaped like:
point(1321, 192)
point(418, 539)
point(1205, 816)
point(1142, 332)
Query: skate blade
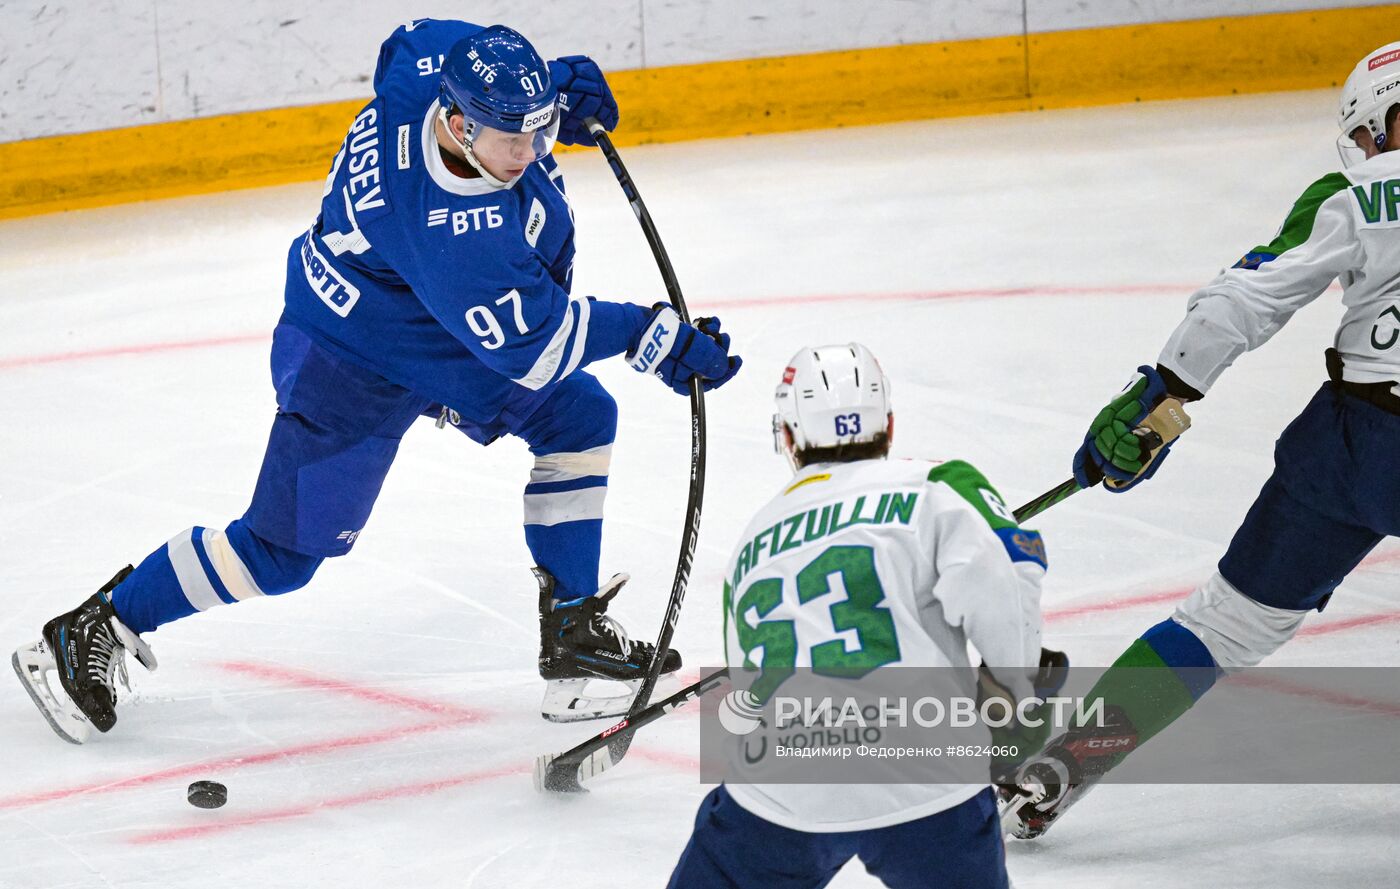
point(1011, 818)
point(34, 665)
point(567, 700)
point(1033, 793)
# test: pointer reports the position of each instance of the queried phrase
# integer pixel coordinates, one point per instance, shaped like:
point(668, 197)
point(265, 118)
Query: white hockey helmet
point(831, 396)
point(1371, 88)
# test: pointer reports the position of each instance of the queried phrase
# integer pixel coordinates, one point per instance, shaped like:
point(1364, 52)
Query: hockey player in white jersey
point(1332, 496)
point(930, 559)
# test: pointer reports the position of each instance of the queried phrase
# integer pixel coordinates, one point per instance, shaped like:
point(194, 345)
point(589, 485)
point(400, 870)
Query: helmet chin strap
point(470, 157)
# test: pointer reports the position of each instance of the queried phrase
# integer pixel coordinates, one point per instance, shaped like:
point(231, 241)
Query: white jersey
point(1345, 225)
point(923, 558)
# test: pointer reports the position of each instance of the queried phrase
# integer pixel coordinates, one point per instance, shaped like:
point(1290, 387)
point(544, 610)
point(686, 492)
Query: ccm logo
point(615, 729)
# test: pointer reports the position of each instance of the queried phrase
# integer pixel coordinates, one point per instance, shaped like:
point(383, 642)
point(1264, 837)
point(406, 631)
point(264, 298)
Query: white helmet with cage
point(830, 397)
point(1371, 89)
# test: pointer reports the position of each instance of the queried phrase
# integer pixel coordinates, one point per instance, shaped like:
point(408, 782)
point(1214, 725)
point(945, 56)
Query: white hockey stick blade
point(541, 770)
point(549, 780)
point(36, 668)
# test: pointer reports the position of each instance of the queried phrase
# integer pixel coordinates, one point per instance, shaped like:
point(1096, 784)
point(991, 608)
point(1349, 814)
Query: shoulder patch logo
point(1023, 546)
point(534, 223)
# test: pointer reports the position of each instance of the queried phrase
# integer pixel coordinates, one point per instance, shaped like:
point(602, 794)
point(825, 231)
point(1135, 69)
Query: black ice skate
point(580, 644)
point(1061, 774)
point(84, 650)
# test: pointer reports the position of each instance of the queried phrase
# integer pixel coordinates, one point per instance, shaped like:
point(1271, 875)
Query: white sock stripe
point(569, 465)
point(548, 361)
point(193, 582)
point(565, 506)
point(1235, 629)
point(236, 577)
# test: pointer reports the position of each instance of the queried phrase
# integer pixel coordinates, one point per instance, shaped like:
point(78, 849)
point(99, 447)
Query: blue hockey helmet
point(496, 79)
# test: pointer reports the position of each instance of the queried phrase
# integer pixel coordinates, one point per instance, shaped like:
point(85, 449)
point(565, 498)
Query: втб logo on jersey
point(463, 221)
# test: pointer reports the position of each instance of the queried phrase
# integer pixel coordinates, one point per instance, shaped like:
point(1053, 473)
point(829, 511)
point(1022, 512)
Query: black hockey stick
point(562, 772)
point(595, 754)
point(1061, 491)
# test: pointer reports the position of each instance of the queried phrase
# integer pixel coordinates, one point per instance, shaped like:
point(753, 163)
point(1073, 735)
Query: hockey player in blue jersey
point(434, 281)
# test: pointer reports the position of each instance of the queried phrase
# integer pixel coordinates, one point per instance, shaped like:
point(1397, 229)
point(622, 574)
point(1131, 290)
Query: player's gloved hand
point(583, 93)
point(1053, 673)
point(1115, 447)
point(676, 351)
point(1014, 742)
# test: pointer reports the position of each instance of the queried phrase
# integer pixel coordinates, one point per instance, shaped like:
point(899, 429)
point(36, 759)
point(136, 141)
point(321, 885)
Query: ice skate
point(581, 646)
point(71, 671)
point(1060, 775)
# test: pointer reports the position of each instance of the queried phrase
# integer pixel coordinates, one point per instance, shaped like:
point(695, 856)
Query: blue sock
point(1180, 649)
point(201, 568)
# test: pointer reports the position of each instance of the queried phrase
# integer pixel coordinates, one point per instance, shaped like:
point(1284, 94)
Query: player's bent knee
point(270, 569)
point(1238, 631)
point(598, 408)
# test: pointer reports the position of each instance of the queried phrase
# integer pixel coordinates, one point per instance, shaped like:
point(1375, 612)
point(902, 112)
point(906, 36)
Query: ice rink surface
point(377, 728)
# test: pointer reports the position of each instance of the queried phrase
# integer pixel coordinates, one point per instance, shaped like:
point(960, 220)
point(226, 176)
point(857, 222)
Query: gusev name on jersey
point(928, 557)
point(447, 286)
point(1344, 226)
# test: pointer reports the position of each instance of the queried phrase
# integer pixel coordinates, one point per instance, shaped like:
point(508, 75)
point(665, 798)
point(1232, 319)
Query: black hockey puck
point(207, 794)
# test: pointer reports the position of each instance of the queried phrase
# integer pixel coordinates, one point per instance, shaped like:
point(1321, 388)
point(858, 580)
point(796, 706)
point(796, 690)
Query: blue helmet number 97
point(848, 424)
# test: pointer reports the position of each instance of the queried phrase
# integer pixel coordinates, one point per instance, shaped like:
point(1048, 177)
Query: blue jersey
point(447, 286)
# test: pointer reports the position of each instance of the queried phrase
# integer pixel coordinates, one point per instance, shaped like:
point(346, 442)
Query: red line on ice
point(964, 293)
point(290, 812)
point(208, 766)
point(680, 761)
point(1349, 623)
point(674, 760)
point(1375, 560)
point(1055, 615)
point(723, 303)
point(1340, 699)
point(306, 679)
point(134, 349)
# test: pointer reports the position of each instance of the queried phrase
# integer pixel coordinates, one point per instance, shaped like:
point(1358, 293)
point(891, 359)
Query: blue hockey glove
point(583, 93)
point(1119, 447)
point(676, 351)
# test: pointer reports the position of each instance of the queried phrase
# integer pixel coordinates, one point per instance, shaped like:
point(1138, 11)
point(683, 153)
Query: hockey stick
point(563, 772)
point(1034, 508)
point(595, 755)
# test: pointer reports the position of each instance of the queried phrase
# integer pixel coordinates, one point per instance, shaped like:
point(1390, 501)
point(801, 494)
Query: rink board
point(1095, 66)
